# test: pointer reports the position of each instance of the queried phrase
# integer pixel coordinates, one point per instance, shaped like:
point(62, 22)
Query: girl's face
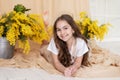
point(64, 30)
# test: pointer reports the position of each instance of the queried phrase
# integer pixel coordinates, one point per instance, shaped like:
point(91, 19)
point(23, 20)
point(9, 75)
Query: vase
point(6, 50)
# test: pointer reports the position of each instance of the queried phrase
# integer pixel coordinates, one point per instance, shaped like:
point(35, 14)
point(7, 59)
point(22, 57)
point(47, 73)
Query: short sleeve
point(52, 47)
point(82, 47)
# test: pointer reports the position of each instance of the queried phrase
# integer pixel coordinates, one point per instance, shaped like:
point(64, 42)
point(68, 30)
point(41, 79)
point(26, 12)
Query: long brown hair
point(64, 54)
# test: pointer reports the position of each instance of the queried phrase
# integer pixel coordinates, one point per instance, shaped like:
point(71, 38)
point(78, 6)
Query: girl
point(69, 48)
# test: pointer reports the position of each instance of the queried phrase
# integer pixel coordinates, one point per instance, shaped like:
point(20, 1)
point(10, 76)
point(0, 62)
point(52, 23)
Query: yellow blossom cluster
point(22, 27)
point(90, 28)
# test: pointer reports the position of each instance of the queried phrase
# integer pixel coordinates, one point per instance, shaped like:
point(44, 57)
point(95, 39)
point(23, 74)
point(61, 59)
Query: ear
point(73, 31)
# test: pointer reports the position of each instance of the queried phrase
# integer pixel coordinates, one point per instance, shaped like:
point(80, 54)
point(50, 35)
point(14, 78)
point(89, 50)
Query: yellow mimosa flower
point(90, 28)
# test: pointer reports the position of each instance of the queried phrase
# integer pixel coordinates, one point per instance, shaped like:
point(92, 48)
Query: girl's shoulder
point(81, 47)
point(80, 41)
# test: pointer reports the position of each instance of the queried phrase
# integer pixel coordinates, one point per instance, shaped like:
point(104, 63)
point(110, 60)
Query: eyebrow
point(63, 26)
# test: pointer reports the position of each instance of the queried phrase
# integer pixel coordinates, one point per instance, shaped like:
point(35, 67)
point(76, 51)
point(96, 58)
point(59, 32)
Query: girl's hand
point(73, 69)
point(67, 72)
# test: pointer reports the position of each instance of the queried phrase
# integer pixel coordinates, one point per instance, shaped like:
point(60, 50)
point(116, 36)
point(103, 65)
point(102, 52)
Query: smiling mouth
point(64, 36)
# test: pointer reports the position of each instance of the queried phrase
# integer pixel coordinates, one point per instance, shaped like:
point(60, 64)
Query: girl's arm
point(76, 65)
point(66, 71)
point(57, 64)
point(69, 70)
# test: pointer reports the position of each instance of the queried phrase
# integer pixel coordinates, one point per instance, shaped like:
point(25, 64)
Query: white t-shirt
point(80, 48)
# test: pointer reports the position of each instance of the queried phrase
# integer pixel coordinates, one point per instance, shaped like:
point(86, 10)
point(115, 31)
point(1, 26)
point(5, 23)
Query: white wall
point(108, 11)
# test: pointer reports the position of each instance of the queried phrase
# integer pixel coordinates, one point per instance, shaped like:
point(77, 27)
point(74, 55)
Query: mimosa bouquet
point(21, 27)
point(90, 28)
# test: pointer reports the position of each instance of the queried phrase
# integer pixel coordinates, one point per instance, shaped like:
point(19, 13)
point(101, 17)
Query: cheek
point(71, 32)
point(58, 33)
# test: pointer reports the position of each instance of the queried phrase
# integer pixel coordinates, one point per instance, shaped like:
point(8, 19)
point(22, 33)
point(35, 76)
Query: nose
point(62, 32)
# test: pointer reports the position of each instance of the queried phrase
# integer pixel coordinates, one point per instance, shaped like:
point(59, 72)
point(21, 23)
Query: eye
point(65, 27)
point(58, 30)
